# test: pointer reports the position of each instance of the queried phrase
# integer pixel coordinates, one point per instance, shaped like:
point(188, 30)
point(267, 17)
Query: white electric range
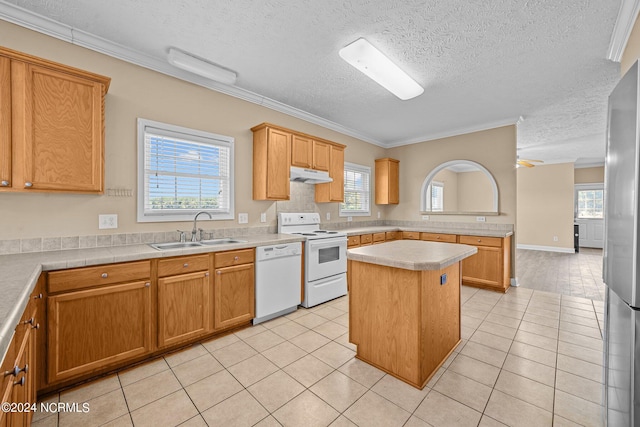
point(325, 257)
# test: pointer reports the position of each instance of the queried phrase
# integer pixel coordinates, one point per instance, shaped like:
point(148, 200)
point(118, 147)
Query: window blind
point(185, 173)
point(356, 189)
point(437, 197)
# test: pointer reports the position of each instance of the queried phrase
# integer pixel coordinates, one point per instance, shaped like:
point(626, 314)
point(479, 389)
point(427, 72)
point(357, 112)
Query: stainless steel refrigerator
point(621, 257)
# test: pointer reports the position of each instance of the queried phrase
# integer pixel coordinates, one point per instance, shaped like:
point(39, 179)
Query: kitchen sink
point(222, 241)
point(182, 245)
point(175, 245)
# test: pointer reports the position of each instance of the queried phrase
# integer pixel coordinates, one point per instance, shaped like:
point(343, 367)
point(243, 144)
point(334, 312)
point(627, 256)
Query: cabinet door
point(5, 122)
point(58, 117)
point(394, 183)
point(95, 328)
point(333, 191)
point(234, 295)
point(278, 161)
point(321, 156)
point(483, 268)
point(183, 307)
point(301, 151)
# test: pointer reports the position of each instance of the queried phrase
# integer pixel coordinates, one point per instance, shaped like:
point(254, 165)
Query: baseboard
point(547, 248)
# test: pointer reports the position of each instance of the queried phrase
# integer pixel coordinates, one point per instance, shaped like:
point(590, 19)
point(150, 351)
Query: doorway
point(589, 214)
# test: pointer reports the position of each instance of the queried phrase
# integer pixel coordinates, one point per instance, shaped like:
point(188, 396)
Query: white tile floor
point(528, 358)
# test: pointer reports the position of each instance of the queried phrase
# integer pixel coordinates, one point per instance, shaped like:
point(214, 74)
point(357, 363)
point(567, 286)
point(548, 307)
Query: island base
point(404, 322)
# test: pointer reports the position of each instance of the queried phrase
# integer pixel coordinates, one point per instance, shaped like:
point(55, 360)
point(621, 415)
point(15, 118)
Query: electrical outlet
point(328, 216)
point(425, 217)
point(349, 218)
point(263, 217)
point(378, 215)
point(555, 238)
point(481, 219)
point(107, 221)
point(243, 218)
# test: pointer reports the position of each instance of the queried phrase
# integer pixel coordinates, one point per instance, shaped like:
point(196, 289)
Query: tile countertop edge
point(395, 254)
point(31, 265)
point(459, 231)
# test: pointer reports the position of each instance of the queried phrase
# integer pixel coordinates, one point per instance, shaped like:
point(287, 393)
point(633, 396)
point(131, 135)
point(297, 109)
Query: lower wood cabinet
point(490, 268)
point(234, 297)
point(91, 329)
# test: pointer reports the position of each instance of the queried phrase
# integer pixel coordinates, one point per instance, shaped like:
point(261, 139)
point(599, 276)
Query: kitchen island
point(404, 305)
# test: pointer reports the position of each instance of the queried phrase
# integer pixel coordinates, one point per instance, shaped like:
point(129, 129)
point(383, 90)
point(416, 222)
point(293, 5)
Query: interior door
point(589, 214)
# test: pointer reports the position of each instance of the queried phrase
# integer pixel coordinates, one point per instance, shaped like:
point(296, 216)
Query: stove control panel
point(299, 218)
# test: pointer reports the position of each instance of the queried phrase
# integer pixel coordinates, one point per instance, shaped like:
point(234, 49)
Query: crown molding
point(455, 132)
point(622, 30)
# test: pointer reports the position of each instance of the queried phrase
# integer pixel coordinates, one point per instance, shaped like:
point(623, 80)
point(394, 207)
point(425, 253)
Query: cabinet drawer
point(226, 259)
point(411, 235)
point(86, 277)
point(481, 241)
point(435, 237)
point(353, 241)
point(366, 239)
point(181, 265)
point(378, 237)
point(392, 235)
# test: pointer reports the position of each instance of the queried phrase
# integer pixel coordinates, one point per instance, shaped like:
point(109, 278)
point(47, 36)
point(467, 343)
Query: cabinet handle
point(36, 326)
point(29, 322)
point(104, 275)
point(185, 265)
point(206, 274)
point(218, 272)
point(479, 240)
point(21, 382)
point(236, 258)
point(39, 296)
point(15, 371)
point(28, 184)
point(146, 285)
point(4, 183)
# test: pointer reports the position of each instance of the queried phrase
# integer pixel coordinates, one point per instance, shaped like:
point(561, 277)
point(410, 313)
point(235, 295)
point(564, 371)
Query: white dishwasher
point(278, 280)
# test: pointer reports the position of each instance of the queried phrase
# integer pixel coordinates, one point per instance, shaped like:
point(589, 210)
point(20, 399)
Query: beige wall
point(475, 193)
point(632, 50)
point(495, 149)
point(138, 92)
point(545, 205)
point(589, 175)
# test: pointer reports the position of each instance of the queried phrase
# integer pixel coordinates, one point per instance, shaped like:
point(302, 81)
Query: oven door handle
point(315, 245)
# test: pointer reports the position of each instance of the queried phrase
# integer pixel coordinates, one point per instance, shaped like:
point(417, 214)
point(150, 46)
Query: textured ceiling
point(482, 63)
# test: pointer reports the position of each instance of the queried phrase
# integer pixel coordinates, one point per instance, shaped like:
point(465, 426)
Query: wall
point(475, 194)
point(588, 175)
point(545, 206)
point(138, 92)
point(495, 149)
point(632, 50)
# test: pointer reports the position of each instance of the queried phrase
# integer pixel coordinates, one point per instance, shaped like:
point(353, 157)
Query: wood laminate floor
point(578, 275)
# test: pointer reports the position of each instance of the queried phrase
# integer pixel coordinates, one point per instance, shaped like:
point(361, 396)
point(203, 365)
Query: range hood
point(309, 176)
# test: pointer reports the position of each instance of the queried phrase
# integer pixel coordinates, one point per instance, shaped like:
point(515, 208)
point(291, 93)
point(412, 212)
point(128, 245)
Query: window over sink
point(183, 171)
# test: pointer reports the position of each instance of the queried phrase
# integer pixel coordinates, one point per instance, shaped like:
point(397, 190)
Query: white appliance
point(309, 176)
point(278, 270)
point(621, 263)
point(325, 257)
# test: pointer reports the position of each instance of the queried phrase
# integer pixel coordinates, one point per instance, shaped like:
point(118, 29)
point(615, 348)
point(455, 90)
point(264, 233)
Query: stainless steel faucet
point(194, 232)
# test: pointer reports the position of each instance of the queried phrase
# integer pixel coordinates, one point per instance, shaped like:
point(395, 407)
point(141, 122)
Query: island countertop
point(412, 254)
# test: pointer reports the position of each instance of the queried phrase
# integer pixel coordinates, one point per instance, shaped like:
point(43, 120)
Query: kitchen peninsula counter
point(404, 305)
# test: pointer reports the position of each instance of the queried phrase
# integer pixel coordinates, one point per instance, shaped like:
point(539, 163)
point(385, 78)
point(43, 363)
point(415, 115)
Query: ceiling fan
point(527, 163)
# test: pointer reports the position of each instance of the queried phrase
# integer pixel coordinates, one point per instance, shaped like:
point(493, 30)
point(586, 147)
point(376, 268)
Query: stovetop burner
point(305, 224)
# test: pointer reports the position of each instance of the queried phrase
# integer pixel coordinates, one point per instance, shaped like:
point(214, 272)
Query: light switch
point(243, 218)
point(263, 217)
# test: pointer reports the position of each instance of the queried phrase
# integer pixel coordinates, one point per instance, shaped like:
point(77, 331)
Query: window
point(356, 190)
point(183, 171)
point(437, 196)
point(589, 202)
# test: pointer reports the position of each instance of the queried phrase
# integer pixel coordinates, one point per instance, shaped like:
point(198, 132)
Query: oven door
point(325, 258)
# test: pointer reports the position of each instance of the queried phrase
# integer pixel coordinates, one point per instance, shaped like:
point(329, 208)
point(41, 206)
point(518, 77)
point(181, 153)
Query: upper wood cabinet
point(275, 149)
point(271, 160)
point(387, 181)
point(51, 126)
point(333, 191)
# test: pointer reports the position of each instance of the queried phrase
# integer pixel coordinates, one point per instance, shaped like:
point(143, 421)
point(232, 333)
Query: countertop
point(412, 254)
point(19, 273)
point(426, 229)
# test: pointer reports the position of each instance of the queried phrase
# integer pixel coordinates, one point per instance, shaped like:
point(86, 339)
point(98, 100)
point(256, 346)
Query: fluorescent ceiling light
point(201, 67)
point(374, 64)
